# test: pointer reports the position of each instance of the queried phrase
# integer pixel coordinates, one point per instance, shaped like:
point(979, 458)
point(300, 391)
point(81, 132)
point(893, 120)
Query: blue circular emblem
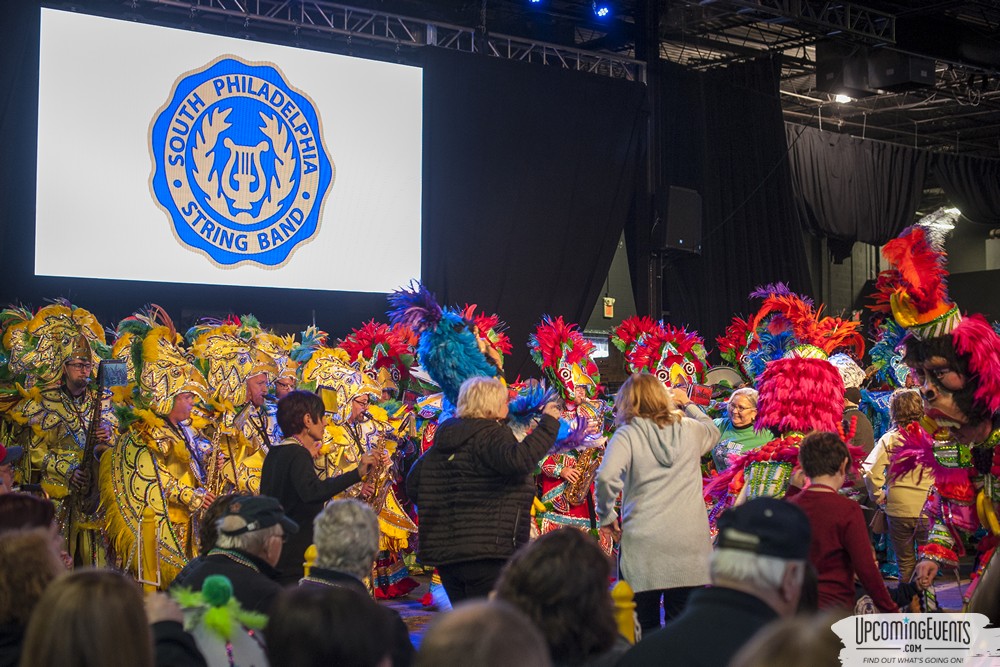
point(239, 163)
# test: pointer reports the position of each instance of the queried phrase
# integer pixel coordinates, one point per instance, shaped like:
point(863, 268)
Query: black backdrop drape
point(529, 175)
point(850, 189)
point(531, 178)
point(723, 136)
point(972, 183)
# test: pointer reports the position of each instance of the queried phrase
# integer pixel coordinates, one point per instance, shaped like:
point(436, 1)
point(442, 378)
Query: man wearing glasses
point(55, 425)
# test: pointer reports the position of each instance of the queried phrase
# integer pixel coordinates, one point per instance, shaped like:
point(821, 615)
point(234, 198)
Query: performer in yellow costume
point(54, 353)
point(238, 370)
point(159, 478)
point(356, 426)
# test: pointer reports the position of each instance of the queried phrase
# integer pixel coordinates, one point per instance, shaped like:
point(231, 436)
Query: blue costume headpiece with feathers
point(448, 349)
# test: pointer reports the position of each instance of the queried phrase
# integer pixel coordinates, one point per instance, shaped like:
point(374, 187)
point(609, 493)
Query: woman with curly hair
point(560, 581)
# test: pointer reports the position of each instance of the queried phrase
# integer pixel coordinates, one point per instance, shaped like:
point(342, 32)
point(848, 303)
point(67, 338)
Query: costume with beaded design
point(564, 356)
point(155, 484)
point(52, 425)
point(231, 352)
point(959, 438)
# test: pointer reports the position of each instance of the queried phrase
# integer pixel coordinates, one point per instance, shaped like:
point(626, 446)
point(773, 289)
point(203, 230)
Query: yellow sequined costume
point(155, 482)
point(234, 352)
point(344, 443)
point(52, 424)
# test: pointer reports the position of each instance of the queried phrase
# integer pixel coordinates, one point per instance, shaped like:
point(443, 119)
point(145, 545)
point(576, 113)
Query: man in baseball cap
point(9, 456)
point(757, 572)
point(251, 534)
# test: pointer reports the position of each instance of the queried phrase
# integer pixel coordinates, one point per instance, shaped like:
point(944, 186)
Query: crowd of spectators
point(779, 573)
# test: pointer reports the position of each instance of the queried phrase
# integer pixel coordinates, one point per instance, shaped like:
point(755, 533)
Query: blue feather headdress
point(448, 349)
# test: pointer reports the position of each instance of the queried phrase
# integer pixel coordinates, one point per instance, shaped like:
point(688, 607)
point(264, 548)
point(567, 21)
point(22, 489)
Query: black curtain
point(851, 189)
point(531, 177)
point(723, 136)
point(972, 183)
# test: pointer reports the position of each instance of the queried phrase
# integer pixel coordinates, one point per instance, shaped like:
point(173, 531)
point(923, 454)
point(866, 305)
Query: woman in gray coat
point(653, 460)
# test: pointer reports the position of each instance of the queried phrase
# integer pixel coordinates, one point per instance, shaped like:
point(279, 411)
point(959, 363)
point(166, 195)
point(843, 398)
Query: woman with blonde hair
point(473, 489)
point(904, 497)
point(653, 460)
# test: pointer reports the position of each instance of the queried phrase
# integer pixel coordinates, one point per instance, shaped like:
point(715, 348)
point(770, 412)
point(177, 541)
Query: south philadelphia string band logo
point(239, 163)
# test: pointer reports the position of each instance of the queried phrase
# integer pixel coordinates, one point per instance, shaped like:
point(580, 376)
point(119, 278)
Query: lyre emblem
point(249, 175)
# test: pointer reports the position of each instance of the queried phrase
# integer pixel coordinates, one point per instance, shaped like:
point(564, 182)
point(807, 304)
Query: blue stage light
point(602, 9)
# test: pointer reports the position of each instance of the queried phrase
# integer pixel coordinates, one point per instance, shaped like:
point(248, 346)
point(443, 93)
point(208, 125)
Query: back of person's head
point(644, 395)
point(905, 407)
point(822, 453)
point(29, 562)
point(763, 545)
point(486, 634)
point(796, 640)
point(89, 618)
point(327, 625)
point(293, 408)
point(561, 582)
point(256, 525)
point(21, 510)
point(208, 532)
point(346, 535)
point(481, 398)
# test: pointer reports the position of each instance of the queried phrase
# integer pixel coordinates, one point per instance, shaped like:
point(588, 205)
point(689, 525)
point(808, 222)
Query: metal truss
point(835, 17)
point(353, 23)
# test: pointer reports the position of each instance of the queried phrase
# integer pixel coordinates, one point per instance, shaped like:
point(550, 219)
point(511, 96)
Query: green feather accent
point(219, 621)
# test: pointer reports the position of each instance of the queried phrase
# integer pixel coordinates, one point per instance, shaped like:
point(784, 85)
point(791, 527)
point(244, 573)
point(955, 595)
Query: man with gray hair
point(346, 536)
point(251, 534)
point(757, 573)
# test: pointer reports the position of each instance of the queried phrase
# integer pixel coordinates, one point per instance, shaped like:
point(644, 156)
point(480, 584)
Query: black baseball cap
point(768, 527)
point(259, 512)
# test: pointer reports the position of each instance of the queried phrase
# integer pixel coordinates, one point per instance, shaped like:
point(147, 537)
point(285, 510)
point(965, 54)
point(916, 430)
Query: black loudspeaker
point(680, 220)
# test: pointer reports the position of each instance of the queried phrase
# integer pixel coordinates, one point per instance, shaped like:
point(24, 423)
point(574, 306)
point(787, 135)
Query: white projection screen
point(173, 156)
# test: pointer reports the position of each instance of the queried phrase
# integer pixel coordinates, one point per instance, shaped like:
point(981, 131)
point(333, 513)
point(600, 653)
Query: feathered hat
point(379, 347)
point(448, 349)
point(563, 354)
point(489, 331)
point(914, 289)
point(158, 364)
point(329, 372)
point(228, 353)
point(37, 345)
point(670, 353)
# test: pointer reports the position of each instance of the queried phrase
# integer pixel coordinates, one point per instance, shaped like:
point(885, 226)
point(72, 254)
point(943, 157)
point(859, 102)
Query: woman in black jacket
point(473, 489)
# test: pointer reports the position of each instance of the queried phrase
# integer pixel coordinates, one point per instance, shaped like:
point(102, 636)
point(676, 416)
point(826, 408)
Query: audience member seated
point(319, 626)
point(757, 572)
point(792, 642)
point(561, 582)
point(840, 547)
point(246, 551)
point(9, 456)
point(29, 561)
point(346, 535)
point(486, 634)
point(95, 618)
point(20, 510)
point(208, 533)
